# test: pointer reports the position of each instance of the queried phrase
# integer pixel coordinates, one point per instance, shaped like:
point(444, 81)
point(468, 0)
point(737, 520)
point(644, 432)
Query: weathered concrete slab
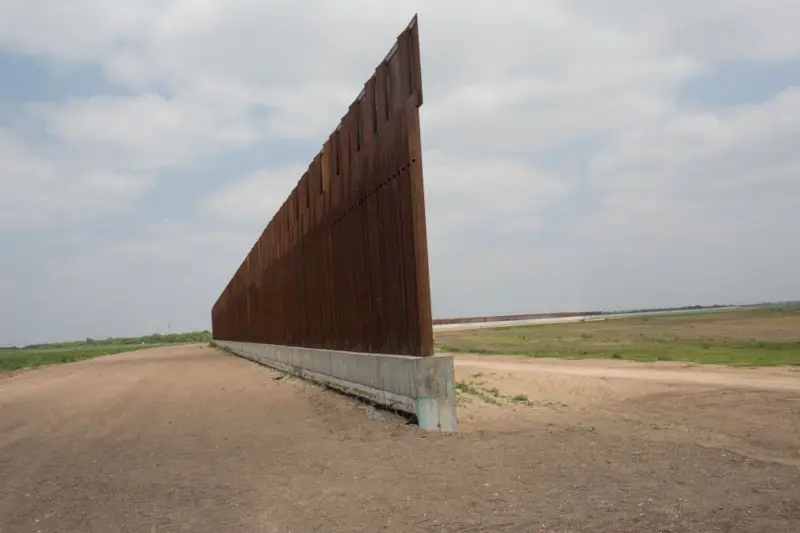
point(422, 386)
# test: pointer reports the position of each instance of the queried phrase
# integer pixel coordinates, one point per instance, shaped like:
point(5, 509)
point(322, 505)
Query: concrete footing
point(422, 386)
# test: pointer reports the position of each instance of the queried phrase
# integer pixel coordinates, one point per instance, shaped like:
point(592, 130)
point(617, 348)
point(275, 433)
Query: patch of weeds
point(490, 395)
point(463, 399)
point(616, 355)
point(490, 399)
point(467, 388)
point(475, 389)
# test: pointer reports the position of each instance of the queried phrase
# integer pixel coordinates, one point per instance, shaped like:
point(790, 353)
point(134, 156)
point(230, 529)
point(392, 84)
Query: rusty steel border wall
point(343, 264)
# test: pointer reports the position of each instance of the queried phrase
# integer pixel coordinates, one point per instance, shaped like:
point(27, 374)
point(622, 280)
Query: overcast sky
point(577, 154)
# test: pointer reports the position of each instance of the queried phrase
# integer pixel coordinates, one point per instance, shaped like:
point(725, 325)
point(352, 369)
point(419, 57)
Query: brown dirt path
point(190, 439)
point(785, 379)
point(754, 412)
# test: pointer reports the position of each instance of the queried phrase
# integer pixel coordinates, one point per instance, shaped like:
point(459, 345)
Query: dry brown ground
point(189, 439)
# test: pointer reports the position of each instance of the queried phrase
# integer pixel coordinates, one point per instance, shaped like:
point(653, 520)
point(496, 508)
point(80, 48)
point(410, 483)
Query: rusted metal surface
point(343, 264)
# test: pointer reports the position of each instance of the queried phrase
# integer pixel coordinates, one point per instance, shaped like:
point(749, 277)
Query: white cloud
point(74, 32)
point(165, 274)
point(38, 188)
point(463, 194)
point(701, 207)
point(174, 243)
point(552, 73)
point(148, 131)
point(705, 172)
point(252, 200)
point(561, 169)
point(714, 30)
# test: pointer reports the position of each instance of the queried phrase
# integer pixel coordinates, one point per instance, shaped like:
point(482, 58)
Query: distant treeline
point(509, 318)
point(156, 338)
point(791, 304)
point(762, 305)
point(566, 314)
point(663, 309)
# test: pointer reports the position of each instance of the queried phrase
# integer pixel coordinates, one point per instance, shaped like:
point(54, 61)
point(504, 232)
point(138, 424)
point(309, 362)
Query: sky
point(577, 155)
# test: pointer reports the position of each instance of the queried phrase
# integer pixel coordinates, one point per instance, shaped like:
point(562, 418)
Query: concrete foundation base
point(422, 386)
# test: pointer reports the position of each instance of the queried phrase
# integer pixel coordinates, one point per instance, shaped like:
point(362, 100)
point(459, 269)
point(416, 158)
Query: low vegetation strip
point(156, 338)
point(11, 360)
point(753, 337)
point(35, 355)
point(466, 390)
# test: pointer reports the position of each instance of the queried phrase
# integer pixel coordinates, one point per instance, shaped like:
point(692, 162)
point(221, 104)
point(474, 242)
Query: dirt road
point(190, 439)
point(753, 412)
point(772, 379)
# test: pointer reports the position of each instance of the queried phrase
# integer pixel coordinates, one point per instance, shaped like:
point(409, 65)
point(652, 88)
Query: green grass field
point(31, 358)
point(753, 337)
point(67, 352)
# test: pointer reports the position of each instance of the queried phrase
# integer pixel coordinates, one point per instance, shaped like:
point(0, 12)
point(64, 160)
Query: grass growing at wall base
point(760, 337)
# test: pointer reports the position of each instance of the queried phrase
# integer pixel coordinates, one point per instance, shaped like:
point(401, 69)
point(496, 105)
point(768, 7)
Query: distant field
point(753, 337)
point(67, 352)
point(31, 358)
